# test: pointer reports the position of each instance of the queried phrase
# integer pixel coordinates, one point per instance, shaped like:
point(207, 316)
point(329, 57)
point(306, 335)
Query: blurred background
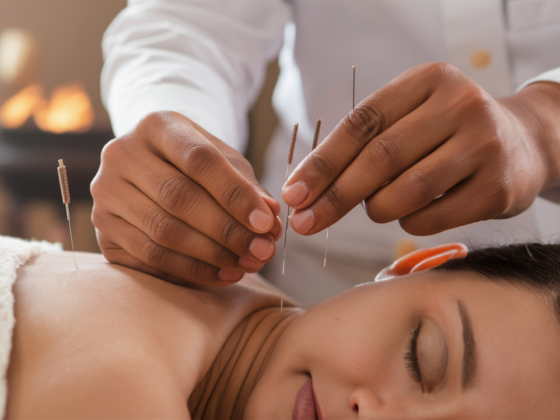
point(50, 109)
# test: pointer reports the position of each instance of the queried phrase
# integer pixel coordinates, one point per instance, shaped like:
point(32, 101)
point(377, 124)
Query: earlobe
point(423, 259)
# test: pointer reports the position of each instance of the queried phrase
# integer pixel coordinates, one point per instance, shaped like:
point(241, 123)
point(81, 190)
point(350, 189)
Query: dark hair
point(533, 265)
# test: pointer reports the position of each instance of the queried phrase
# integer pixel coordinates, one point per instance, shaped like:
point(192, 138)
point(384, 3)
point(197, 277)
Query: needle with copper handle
point(63, 180)
point(290, 157)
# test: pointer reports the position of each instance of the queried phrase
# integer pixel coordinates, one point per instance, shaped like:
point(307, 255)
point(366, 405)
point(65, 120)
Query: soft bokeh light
point(16, 110)
point(69, 109)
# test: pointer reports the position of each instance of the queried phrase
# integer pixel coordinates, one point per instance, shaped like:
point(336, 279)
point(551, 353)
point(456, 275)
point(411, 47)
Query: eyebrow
point(469, 348)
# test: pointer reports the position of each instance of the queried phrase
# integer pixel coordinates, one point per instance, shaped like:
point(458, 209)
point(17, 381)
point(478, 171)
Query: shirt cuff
point(548, 76)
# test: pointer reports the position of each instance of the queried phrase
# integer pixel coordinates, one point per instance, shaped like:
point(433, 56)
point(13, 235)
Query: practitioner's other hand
point(433, 150)
point(172, 200)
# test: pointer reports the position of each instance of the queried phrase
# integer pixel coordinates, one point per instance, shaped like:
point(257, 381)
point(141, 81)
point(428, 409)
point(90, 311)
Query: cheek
point(354, 345)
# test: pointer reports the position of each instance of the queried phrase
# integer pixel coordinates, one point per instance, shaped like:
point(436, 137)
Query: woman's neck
point(225, 389)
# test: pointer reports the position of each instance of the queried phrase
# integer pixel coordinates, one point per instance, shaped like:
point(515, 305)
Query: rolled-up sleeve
point(205, 59)
point(549, 76)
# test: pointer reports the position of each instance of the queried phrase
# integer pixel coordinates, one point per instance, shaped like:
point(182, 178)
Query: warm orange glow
point(16, 110)
point(69, 109)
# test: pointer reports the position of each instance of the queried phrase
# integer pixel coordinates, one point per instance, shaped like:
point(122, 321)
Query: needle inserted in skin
point(63, 180)
point(353, 106)
point(290, 157)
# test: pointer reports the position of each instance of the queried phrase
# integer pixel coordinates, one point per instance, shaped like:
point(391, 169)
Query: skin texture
point(353, 347)
point(173, 201)
point(431, 131)
point(176, 202)
point(108, 342)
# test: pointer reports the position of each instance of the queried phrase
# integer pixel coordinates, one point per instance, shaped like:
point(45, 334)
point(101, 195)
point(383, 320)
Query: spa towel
point(14, 253)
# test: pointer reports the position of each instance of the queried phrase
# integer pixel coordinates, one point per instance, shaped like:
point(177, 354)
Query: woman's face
point(428, 345)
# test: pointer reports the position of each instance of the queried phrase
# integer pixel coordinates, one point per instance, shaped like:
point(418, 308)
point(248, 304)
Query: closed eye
point(411, 356)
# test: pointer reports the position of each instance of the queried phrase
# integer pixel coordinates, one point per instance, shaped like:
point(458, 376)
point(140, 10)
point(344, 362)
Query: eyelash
point(411, 356)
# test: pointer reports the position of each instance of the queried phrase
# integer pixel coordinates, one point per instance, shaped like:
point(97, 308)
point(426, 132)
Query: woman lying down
point(476, 337)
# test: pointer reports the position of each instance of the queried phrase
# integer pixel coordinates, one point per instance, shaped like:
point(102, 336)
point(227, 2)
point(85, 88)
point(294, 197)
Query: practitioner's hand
point(174, 201)
point(433, 150)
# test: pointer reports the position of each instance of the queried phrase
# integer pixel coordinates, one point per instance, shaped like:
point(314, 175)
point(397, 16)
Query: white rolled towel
point(14, 253)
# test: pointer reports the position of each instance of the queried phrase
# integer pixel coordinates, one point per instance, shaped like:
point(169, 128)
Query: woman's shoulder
point(103, 318)
point(55, 282)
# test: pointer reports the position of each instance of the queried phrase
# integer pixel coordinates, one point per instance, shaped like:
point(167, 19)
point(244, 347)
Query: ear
point(423, 259)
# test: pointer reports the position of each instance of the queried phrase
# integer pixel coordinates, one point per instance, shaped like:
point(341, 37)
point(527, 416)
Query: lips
point(304, 408)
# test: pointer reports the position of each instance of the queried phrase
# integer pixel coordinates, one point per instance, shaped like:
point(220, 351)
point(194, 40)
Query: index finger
point(371, 117)
point(182, 145)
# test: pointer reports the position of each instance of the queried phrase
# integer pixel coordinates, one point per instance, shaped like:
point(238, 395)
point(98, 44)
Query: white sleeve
point(205, 59)
point(548, 76)
point(552, 194)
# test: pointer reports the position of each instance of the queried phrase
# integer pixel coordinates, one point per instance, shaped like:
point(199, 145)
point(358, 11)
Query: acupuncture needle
point(63, 180)
point(290, 157)
point(353, 106)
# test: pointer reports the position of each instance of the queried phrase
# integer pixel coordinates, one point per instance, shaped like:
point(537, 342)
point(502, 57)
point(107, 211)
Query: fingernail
point(261, 248)
point(248, 264)
point(303, 221)
point(260, 220)
point(296, 193)
point(230, 276)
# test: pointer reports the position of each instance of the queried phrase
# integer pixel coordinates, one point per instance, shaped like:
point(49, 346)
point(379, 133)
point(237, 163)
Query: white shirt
point(207, 60)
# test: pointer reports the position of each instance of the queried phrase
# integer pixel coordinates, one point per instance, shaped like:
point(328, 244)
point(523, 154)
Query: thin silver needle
point(354, 86)
point(71, 239)
point(290, 157)
point(353, 106)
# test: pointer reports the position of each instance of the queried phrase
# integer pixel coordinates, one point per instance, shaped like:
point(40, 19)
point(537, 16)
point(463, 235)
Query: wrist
point(537, 107)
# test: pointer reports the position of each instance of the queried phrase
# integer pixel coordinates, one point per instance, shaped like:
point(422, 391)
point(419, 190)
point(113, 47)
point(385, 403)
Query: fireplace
point(50, 62)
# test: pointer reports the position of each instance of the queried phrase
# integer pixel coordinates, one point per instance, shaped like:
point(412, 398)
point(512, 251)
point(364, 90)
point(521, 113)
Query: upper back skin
point(111, 341)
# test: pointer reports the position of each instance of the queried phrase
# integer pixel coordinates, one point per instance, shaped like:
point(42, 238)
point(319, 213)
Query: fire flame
point(16, 110)
point(69, 109)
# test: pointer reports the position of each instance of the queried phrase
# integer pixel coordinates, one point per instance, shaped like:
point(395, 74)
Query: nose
point(366, 404)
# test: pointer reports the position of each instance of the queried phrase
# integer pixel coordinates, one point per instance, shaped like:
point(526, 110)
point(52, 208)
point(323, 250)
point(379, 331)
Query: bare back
point(111, 341)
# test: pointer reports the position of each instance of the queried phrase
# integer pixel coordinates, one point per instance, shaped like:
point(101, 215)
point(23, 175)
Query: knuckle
point(384, 154)
point(152, 254)
point(493, 146)
point(95, 187)
point(234, 196)
point(334, 198)
point(197, 270)
point(225, 258)
point(498, 197)
point(322, 164)
point(111, 152)
point(159, 226)
point(177, 193)
point(199, 157)
point(96, 217)
point(422, 186)
point(365, 121)
point(476, 102)
point(230, 233)
point(441, 69)
point(152, 121)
